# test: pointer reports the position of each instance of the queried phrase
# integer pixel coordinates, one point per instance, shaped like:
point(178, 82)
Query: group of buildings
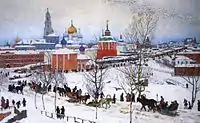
point(69, 53)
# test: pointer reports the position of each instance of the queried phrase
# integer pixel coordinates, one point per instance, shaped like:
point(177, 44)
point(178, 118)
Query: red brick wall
point(20, 60)
point(106, 49)
point(187, 71)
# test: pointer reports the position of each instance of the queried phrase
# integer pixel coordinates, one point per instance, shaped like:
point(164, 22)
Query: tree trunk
point(55, 100)
point(96, 107)
point(35, 100)
point(131, 111)
point(43, 101)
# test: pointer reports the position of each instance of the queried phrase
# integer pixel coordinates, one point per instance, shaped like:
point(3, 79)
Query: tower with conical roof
point(107, 46)
point(107, 31)
point(48, 26)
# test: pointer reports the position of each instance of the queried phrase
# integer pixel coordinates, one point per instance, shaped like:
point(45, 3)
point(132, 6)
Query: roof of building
point(107, 39)
point(21, 52)
point(64, 51)
point(83, 57)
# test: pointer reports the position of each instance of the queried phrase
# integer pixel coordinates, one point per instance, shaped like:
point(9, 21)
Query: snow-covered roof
point(31, 41)
point(53, 35)
point(83, 56)
point(190, 52)
point(22, 52)
point(107, 39)
point(23, 46)
point(64, 51)
point(58, 46)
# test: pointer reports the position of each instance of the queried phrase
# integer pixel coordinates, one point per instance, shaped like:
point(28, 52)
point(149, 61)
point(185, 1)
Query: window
point(186, 62)
point(177, 62)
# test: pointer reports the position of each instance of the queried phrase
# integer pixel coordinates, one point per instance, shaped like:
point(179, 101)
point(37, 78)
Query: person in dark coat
point(133, 97)
point(190, 107)
point(24, 102)
point(49, 88)
point(198, 105)
point(122, 97)
point(58, 112)
point(7, 104)
point(74, 89)
point(114, 99)
point(54, 89)
point(13, 102)
point(18, 104)
point(62, 112)
point(2, 102)
point(101, 95)
point(185, 103)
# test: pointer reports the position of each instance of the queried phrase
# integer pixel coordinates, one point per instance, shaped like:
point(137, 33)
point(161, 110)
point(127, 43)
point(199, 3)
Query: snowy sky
point(25, 18)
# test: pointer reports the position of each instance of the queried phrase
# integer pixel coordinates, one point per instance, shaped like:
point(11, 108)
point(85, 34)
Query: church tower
point(48, 27)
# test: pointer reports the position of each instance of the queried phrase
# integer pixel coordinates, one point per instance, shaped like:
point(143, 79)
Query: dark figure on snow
point(62, 112)
point(114, 99)
point(198, 105)
point(190, 106)
point(58, 112)
point(173, 106)
point(122, 97)
point(7, 104)
point(2, 102)
point(133, 97)
point(18, 104)
point(54, 89)
point(24, 102)
point(74, 89)
point(185, 103)
point(13, 102)
point(49, 88)
point(101, 95)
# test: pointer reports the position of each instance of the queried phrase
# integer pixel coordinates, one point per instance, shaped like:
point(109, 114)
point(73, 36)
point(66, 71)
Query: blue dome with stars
point(63, 41)
point(82, 48)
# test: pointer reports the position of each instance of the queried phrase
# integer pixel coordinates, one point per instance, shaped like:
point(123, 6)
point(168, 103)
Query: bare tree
point(45, 76)
point(133, 78)
point(3, 77)
point(143, 24)
point(95, 80)
point(194, 81)
point(59, 78)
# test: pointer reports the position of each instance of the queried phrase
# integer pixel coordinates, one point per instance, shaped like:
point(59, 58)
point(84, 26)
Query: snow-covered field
point(118, 113)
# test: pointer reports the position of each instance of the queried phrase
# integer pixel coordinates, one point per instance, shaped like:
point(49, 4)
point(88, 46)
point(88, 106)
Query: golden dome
point(72, 29)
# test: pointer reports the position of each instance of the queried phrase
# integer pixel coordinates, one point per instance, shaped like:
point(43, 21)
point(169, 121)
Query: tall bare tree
point(43, 75)
point(143, 24)
point(59, 78)
point(194, 81)
point(95, 80)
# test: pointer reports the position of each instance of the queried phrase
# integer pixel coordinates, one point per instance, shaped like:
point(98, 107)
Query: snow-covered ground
point(118, 113)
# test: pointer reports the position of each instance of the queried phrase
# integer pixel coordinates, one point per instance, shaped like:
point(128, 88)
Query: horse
point(71, 95)
point(151, 103)
point(19, 88)
point(61, 91)
point(84, 98)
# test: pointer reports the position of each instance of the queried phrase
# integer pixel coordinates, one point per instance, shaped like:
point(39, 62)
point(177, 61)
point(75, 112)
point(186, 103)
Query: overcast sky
point(25, 18)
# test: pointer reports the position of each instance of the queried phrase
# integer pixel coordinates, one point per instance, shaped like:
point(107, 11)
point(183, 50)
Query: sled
point(169, 113)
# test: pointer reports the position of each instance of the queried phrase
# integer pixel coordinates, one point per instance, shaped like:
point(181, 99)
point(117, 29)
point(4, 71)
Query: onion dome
point(82, 48)
point(63, 41)
point(72, 29)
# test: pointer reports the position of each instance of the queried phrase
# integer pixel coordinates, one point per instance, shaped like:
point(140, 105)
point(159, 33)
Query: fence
point(75, 119)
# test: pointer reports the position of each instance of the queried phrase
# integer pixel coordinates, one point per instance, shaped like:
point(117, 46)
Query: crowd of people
point(5, 103)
